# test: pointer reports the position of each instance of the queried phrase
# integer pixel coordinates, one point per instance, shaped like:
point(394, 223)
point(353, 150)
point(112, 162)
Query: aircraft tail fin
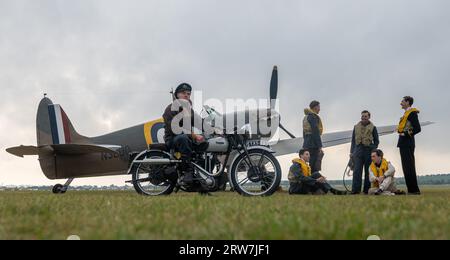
point(54, 127)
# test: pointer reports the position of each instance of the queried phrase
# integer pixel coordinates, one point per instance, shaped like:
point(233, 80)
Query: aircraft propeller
point(274, 94)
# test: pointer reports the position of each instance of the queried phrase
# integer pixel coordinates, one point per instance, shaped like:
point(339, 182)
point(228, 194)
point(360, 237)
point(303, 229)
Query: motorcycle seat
point(160, 147)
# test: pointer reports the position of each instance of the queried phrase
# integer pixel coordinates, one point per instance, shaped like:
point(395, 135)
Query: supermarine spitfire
point(63, 153)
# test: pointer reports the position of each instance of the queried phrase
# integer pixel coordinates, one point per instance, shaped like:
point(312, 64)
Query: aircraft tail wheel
point(58, 189)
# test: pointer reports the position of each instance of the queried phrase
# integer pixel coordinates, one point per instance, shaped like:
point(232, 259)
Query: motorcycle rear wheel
point(150, 180)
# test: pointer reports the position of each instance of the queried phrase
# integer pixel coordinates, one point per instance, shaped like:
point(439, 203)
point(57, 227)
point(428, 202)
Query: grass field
point(125, 215)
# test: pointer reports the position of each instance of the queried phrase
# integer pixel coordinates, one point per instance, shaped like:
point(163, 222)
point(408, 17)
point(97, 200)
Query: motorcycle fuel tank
point(218, 145)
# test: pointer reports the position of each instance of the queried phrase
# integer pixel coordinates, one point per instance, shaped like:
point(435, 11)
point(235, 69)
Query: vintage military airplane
point(65, 154)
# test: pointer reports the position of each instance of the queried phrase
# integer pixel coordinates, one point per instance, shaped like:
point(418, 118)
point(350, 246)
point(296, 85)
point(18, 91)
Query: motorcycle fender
point(142, 154)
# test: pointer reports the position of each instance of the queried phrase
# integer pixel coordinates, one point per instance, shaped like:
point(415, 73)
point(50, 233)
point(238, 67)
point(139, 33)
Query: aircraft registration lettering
point(122, 153)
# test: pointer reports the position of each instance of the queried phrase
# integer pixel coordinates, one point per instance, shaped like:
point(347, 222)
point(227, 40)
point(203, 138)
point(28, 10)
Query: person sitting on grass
point(303, 181)
point(381, 174)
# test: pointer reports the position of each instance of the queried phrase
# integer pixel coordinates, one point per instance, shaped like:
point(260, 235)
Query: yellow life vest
point(307, 129)
point(306, 169)
point(403, 125)
point(364, 134)
point(379, 171)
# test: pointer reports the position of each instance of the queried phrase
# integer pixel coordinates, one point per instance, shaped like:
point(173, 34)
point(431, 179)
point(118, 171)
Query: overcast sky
point(110, 64)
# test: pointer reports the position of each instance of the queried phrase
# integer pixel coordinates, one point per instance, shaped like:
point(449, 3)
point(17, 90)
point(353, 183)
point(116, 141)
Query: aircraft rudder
point(53, 125)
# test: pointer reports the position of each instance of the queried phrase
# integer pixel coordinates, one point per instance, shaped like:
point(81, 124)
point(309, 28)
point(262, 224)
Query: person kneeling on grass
point(303, 181)
point(381, 173)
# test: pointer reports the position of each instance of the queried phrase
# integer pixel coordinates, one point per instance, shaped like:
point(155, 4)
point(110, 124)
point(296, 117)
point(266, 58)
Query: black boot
point(188, 173)
point(338, 192)
point(399, 192)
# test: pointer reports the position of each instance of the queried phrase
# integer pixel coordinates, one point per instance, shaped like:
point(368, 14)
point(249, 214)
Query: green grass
point(125, 215)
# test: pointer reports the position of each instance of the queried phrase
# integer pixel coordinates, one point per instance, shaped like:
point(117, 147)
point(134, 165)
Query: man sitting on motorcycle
point(179, 119)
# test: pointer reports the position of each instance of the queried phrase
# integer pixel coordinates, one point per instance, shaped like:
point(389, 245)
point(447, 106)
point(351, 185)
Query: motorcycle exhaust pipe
point(205, 175)
point(159, 161)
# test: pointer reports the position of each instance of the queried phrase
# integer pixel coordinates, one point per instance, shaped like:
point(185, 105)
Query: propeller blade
point(286, 131)
point(274, 87)
point(274, 94)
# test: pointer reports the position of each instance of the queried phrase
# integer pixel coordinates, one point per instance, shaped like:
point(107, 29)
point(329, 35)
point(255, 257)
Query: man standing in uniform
point(312, 132)
point(408, 128)
point(365, 139)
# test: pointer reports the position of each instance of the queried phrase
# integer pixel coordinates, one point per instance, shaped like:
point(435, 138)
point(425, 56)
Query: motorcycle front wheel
point(256, 174)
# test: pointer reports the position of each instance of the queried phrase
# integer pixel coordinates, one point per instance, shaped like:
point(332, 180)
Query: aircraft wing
point(289, 146)
point(66, 149)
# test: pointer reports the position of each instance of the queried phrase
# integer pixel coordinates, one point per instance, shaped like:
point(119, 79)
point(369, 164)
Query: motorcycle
point(252, 170)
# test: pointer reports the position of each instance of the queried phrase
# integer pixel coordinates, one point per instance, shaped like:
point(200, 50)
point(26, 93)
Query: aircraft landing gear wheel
point(58, 189)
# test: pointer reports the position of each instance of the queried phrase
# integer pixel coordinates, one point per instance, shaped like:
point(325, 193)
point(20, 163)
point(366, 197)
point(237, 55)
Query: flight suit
point(364, 140)
point(387, 170)
point(302, 181)
point(312, 140)
point(407, 146)
point(182, 143)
